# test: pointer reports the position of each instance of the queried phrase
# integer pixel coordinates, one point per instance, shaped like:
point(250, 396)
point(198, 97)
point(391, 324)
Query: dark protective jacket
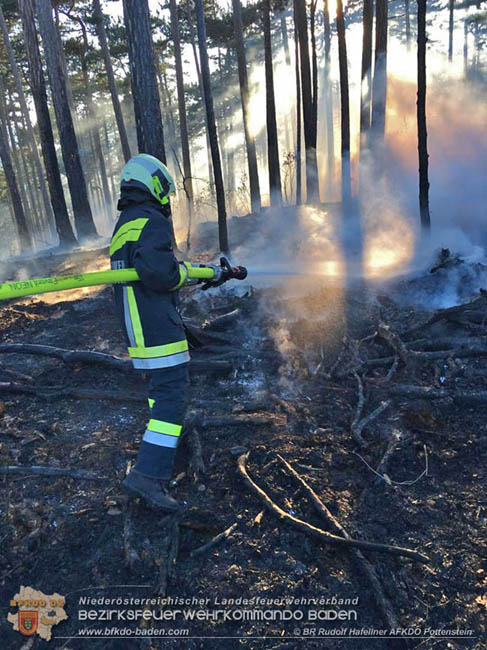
point(148, 309)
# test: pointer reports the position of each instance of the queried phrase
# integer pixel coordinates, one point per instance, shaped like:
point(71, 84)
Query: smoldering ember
point(243, 324)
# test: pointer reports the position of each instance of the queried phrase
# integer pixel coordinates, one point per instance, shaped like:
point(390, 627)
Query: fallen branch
point(68, 356)
point(130, 554)
point(235, 421)
point(477, 303)
point(460, 353)
point(56, 392)
point(196, 366)
point(14, 374)
point(470, 397)
point(356, 433)
point(394, 341)
point(168, 560)
point(359, 426)
point(197, 462)
point(318, 533)
point(367, 569)
point(223, 321)
point(213, 542)
point(38, 470)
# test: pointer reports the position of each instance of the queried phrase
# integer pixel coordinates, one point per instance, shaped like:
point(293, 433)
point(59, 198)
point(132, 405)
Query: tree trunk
point(25, 113)
point(380, 69)
point(314, 64)
point(298, 114)
point(255, 200)
point(102, 38)
point(210, 116)
point(368, 20)
point(275, 193)
point(421, 114)
point(327, 30)
point(148, 118)
point(408, 24)
point(88, 93)
point(13, 189)
point(14, 149)
point(345, 105)
point(451, 7)
point(77, 186)
point(64, 66)
point(330, 127)
point(211, 175)
point(312, 186)
point(183, 126)
point(287, 58)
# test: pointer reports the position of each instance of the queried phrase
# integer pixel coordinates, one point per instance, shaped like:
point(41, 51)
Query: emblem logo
point(28, 621)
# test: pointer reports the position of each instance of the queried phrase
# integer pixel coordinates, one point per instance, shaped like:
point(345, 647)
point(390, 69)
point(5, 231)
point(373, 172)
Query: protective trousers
point(168, 399)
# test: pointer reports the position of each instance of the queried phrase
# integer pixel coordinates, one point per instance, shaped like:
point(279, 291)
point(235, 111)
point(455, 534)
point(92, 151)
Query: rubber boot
point(151, 490)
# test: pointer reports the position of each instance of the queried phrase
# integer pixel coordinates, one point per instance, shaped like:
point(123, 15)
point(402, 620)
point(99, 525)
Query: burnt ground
point(289, 386)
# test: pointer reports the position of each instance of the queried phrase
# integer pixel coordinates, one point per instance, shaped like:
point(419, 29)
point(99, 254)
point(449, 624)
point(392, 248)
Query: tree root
point(318, 533)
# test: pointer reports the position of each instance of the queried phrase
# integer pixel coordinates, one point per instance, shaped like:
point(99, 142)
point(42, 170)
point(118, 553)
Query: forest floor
point(288, 386)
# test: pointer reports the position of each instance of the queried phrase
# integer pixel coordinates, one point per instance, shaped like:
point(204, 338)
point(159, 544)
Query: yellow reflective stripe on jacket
point(141, 352)
point(135, 318)
point(159, 426)
point(151, 402)
point(130, 231)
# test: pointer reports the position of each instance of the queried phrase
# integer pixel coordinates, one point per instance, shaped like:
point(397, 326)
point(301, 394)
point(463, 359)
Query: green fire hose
point(211, 274)
point(61, 283)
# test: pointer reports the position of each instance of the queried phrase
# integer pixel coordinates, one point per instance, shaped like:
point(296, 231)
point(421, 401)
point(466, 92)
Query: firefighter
point(148, 311)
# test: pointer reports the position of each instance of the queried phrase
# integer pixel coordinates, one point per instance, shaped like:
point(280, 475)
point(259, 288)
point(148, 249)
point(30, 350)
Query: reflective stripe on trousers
point(164, 434)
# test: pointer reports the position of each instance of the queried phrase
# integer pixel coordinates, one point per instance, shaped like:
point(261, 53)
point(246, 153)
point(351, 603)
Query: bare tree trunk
point(183, 126)
point(102, 38)
point(64, 66)
point(368, 20)
point(345, 105)
point(330, 141)
point(14, 149)
point(298, 115)
point(211, 173)
point(148, 118)
point(421, 114)
point(314, 64)
point(255, 200)
point(88, 92)
point(312, 186)
point(69, 145)
point(210, 116)
point(25, 113)
point(327, 30)
point(275, 193)
point(451, 7)
point(23, 234)
point(380, 69)
point(408, 24)
point(287, 58)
